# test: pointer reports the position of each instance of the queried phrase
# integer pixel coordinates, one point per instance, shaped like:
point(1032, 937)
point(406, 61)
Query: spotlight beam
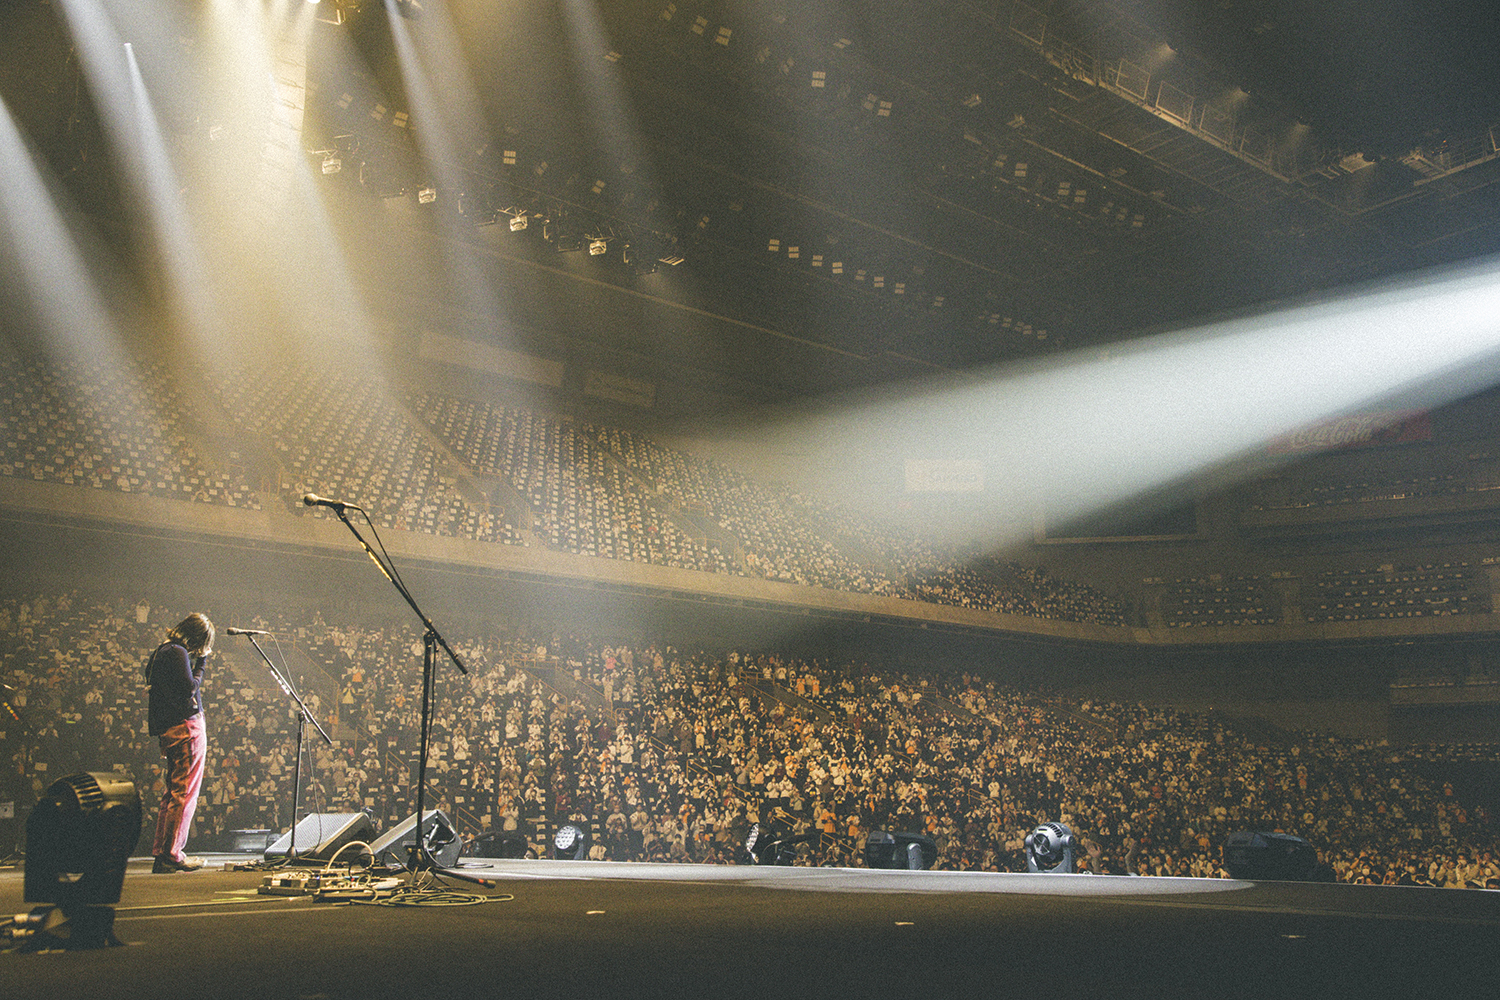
point(53, 276)
point(175, 238)
point(1072, 436)
point(611, 115)
point(130, 119)
point(432, 62)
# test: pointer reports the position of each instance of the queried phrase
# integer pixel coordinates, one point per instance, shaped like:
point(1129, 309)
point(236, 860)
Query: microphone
point(246, 631)
point(313, 500)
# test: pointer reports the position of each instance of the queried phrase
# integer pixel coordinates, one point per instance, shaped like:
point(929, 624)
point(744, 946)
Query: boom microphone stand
point(303, 717)
point(418, 859)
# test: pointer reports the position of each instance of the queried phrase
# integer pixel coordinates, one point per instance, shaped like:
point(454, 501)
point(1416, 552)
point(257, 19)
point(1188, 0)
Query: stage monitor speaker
point(1259, 856)
point(248, 841)
point(320, 835)
point(439, 836)
point(912, 851)
point(498, 844)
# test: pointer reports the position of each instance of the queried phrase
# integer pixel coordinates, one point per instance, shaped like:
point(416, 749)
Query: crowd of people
point(576, 499)
point(664, 753)
point(336, 433)
point(446, 465)
point(1007, 586)
point(109, 425)
point(442, 464)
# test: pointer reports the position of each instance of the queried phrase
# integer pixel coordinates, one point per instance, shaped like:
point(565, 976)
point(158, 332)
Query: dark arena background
point(799, 423)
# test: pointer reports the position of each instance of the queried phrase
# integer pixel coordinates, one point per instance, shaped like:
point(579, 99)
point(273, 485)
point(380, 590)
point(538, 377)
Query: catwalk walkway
point(570, 930)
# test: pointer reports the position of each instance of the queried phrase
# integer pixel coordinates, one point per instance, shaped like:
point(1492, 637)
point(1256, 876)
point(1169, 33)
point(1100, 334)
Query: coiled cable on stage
point(365, 859)
point(417, 896)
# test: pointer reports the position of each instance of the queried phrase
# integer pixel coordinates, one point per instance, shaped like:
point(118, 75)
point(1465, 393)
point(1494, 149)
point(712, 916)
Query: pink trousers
point(185, 746)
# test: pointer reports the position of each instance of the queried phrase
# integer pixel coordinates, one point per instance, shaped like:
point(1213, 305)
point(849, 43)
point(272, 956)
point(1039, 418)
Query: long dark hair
point(195, 633)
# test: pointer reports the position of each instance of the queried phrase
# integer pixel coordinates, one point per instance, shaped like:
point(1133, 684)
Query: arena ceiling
point(855, 192)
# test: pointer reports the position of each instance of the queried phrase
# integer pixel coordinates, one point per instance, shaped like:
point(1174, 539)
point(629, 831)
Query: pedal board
point(293, 883)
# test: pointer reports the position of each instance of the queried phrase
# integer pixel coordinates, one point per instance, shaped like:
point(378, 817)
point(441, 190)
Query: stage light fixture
point(78, 839)
point(332, 164)
point(426, 195)
point(570, 843)
point(1049, 849)
point(564, 238)
point(597, 247)
point(518, 222)
point(756, 843)
point(638, 262)
point(478, 207)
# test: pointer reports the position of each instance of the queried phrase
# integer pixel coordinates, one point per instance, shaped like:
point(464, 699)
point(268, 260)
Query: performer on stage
point(175, 672)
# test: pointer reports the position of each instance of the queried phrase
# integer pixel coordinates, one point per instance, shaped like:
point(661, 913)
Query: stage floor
point(634, 930)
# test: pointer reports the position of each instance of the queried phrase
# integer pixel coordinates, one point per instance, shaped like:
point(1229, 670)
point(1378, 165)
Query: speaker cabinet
point(439, 837)
point(248, 841)
point(320, 835)
point(912, 851)
point(498, 845)
point(1259, 856)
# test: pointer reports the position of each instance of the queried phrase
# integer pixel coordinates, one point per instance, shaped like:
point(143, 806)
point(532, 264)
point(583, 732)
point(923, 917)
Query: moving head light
point(1049, 849)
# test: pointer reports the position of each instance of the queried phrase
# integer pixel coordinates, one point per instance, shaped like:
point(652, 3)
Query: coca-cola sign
point(1357, 430)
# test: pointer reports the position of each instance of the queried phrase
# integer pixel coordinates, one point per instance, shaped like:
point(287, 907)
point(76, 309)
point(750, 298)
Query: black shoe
point(165, 864)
